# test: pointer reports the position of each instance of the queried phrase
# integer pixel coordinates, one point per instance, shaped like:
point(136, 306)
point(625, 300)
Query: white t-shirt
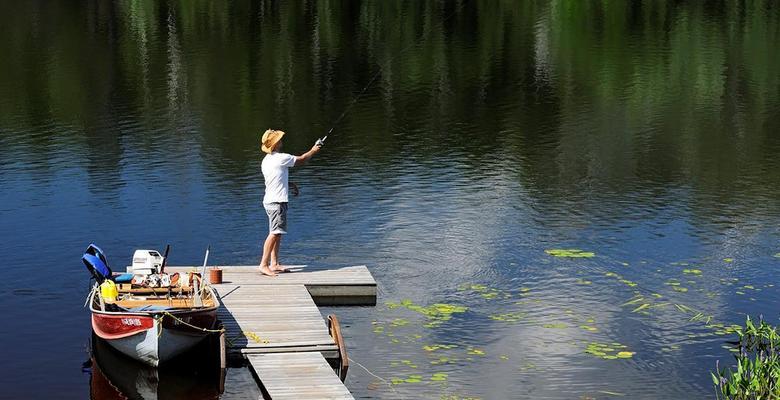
point(275, 166)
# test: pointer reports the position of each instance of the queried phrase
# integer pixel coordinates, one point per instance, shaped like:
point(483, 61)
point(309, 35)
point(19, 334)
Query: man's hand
point(294, 189)
point(299, 160)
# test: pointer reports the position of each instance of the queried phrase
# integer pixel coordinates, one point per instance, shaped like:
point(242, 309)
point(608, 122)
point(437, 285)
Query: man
point(275, 171)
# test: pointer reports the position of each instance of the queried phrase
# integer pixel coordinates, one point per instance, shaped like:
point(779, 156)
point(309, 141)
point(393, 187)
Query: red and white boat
point(151, 324)
point(154, 329)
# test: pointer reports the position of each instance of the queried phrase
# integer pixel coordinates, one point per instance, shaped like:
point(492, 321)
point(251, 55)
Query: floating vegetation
point(476, 352)
point(620, 279)
point(728, 260)
point(399, 322)
point(589, 328)
point(443, 360)
point(680, 289)
point(692, 271)
point(684, 308)
point(583, 282)
point(570, 253)
point(485, 292)
point(508, 317)
point(436, 313)
point(776, 255)
point(555, 325)
point(439, 376)
point(634, 300)
point(608, 351)
point(435, 347)
point(414, 378)
point(455, 397)
point(611, 393)
point(641, 307)
point(503, 357)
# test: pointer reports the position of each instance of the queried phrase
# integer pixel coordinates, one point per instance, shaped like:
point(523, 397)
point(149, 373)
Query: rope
point(190, 325)
point(390, 385)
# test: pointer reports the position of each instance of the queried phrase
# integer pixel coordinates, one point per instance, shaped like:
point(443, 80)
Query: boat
point(149, 316)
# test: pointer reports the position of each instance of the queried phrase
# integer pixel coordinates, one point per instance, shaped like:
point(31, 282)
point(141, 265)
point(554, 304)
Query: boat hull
point(153, 338)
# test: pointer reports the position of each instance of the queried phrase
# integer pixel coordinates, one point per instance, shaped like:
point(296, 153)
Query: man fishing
point(275, 168)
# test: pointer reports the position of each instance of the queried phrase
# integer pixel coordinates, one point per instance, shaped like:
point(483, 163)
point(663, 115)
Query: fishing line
point(379, 71)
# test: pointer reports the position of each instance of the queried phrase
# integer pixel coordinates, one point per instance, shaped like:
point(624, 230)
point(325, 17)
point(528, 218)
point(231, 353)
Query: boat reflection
point(195, 375)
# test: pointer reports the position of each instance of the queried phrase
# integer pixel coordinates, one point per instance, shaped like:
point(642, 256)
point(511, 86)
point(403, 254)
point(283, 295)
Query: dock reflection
point(195, 375)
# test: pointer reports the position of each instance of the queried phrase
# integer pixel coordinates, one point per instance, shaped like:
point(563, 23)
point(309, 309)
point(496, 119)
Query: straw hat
point(269, 140)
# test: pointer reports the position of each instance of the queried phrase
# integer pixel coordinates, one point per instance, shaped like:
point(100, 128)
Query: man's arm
point(301, 159)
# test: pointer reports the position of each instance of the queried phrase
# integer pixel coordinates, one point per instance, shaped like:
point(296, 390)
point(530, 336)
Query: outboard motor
point(96, 263)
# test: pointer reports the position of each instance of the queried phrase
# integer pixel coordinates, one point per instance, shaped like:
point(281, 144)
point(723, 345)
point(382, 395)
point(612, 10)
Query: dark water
point(644, 131)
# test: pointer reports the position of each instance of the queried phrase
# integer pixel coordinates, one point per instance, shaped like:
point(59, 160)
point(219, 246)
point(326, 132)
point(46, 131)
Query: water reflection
point(643, 131)
point(115, 376)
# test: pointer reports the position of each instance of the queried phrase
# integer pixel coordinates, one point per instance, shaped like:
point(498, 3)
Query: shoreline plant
point(757, 371)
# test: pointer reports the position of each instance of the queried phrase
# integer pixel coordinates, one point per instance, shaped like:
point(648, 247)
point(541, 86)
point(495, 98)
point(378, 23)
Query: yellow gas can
point(108, 291)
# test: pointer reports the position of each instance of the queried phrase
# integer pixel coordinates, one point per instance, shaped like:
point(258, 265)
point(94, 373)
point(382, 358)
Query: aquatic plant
point(757, 373)
point(570, 253)
point(436, 313)
point(608, 351)
point(692, 271)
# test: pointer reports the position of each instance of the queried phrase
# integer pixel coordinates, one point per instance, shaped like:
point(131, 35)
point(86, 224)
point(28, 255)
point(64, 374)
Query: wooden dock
point(327, 286)
point(274, 324)
point(297, 376)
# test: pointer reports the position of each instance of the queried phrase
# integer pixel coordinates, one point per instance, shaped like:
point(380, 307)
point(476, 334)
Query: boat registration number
point(131, 321)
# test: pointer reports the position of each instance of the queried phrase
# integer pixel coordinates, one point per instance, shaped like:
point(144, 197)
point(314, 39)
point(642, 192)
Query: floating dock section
point(275, 325)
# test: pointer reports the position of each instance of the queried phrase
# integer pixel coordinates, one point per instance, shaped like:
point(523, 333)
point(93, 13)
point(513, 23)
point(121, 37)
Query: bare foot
point(267, 271)
point(279, 268)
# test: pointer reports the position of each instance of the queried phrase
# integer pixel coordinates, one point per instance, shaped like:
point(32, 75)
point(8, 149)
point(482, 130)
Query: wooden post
point(222, 350)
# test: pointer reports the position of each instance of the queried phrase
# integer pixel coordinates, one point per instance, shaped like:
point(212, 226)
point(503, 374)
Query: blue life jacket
point(96, 263)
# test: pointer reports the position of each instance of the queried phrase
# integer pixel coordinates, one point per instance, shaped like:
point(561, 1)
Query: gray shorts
point(277, 217)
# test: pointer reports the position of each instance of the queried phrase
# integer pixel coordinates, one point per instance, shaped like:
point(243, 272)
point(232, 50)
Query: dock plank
point(257, 318)
point(297, 376)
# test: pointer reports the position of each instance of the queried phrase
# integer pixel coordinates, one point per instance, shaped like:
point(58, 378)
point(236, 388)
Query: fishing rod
point(321, 141)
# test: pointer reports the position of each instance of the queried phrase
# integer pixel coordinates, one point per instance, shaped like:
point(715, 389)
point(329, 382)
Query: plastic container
point(108, 291)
